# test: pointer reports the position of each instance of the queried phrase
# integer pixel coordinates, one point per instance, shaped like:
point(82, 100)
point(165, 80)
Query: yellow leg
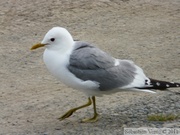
point(95, 117)
point(71, 111)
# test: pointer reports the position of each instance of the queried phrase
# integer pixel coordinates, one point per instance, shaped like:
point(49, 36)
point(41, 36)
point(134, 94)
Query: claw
point(67, 114)
point(91, 120)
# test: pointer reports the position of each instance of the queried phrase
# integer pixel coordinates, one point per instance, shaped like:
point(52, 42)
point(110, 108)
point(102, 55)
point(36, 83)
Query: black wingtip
point(162, 85)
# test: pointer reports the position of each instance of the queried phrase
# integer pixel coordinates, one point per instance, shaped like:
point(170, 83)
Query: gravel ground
point(31, 100)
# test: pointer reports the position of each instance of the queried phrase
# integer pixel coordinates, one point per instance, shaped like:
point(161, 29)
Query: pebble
point(138, 111)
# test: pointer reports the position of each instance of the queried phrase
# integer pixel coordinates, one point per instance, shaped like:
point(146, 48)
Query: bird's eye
point(52, 39)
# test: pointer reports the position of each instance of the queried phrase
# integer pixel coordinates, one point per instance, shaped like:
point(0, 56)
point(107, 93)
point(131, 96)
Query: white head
point(57, 38)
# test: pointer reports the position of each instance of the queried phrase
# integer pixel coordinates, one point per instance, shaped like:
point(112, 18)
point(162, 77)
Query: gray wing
point(90, 63)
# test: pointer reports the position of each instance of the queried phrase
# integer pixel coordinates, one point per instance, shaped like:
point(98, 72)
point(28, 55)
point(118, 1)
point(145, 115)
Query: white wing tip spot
point(177, 85)
point(158, 84)
point(167, 85)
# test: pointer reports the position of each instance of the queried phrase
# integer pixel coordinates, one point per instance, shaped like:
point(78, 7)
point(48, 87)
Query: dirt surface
point(31, 99)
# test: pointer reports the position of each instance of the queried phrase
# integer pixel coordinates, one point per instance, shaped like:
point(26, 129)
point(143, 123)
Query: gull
point(84, 67)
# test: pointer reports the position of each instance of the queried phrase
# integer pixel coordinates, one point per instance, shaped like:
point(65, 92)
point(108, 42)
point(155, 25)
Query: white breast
point(56, 64)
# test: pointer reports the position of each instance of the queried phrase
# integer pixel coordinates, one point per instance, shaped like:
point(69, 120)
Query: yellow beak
point(37, 46)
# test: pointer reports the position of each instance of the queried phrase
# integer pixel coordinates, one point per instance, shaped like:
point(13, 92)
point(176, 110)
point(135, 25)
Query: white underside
point(56, 63)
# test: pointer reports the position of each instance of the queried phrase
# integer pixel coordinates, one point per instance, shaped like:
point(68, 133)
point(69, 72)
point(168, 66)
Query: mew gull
point(85, 67)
